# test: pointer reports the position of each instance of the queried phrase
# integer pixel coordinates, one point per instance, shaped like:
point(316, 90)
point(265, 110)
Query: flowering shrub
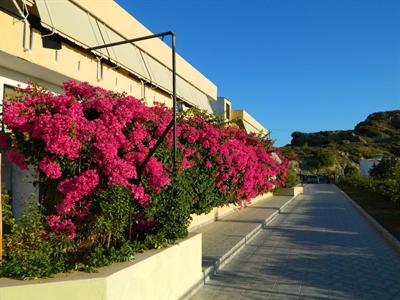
point(89, 142)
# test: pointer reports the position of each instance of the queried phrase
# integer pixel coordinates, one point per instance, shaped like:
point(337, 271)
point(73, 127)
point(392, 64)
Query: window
point(227, 111)
point(9, 91)
point(180, 106)
point(15, 181)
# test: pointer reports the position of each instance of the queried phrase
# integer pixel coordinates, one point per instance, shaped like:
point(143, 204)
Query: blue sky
point(305, 65)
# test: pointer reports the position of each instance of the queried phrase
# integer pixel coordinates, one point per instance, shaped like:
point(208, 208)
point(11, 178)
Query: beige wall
point(293, 191)
point(219, 212)
point(129, 27)
point(109, 12)
point(251, 123)
point(55, 71)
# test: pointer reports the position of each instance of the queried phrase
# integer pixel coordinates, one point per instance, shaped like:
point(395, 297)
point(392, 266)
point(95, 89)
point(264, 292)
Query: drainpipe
point(25, 20)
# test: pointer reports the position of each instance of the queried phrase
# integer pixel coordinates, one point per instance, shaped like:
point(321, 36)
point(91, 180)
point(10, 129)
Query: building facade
point(366, 165)
point(46, 42)
point(223, 107)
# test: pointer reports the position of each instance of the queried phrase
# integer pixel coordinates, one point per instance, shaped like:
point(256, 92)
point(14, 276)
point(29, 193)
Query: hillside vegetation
point(331, 152)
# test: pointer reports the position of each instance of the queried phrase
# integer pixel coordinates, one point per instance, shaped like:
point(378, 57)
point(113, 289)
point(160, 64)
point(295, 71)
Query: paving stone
point(219, 237)
point(319, 248)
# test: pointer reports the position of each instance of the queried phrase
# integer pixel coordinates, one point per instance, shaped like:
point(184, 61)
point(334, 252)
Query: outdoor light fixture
point(172, 124)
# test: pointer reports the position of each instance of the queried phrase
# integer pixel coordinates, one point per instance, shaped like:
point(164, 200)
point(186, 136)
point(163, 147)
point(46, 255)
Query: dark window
point(180, 106)
point(227, 111)
point(9, 92)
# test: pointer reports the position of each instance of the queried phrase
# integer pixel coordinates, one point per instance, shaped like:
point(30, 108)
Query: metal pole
point(1, 218)
point(130, 41)
point(174, 96)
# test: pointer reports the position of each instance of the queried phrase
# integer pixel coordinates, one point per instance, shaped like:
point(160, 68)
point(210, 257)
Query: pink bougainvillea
point(88, 138)
point(17, 158)
point(75, 189)
point(62, 226)
point(50, 168)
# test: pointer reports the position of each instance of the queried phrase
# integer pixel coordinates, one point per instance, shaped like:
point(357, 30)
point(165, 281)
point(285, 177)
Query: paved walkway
point(221, 236)
point(320, 248)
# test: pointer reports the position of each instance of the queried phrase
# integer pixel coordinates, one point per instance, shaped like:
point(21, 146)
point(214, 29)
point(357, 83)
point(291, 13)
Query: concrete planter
point(293, 191)
point(156, 274)
point(219, 212)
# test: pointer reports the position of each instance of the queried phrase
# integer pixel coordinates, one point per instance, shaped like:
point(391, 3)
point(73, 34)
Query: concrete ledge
point(393, 241)
point(156, 274)
point(219, 212)
point(293, 191)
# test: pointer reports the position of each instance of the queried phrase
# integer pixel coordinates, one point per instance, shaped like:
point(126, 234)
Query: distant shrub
point(322, 160)
point(387, 188)
point(388, 167)
point(396, 122)
point(327, 159)
point(290, 154)
point(351, 170)
point(359, 152)
point(369, 131)
point(292, 178)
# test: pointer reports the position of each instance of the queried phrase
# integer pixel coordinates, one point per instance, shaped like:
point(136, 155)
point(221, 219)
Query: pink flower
point(62, 226)
point(75, 189)
point(111, 133)
point(17, 158)
point(139, 194)
point(50, 168)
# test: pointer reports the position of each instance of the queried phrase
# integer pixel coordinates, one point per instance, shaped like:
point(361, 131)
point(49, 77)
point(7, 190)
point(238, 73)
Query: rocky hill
point(378, 134)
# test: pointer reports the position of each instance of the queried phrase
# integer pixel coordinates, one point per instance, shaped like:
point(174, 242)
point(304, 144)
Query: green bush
point(388, 167)
point(29, 251)
point(324, 159)
point(351, 170)
point(388, 188)
point(292, 178)
point(327, 159)
point(369, 131)
point(112, 210)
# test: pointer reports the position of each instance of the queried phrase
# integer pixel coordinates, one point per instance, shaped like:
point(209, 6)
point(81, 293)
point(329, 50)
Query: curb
point(212, 270)
point(393, 241)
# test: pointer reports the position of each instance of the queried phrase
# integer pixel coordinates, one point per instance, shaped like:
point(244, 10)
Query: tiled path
point(319, 248)
point(221, 236)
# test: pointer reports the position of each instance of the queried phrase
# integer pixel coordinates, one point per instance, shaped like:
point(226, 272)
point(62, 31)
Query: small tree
point(388, 167)
point(327, 159)
point(292, 178)
point(351, 170)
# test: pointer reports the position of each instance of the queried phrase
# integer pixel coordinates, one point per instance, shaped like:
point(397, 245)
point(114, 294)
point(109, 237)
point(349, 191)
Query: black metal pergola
point(172, 124)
